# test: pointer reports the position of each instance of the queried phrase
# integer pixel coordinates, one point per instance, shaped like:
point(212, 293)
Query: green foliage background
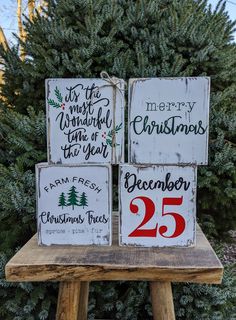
point(126, 38)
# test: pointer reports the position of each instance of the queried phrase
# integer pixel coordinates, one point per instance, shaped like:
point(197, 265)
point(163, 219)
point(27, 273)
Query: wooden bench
point(76, 266)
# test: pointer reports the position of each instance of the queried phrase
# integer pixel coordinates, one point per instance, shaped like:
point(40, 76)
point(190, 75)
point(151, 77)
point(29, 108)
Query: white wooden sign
point(74, 204)
point(169, 120)
point(157, 205)
point(85, 119)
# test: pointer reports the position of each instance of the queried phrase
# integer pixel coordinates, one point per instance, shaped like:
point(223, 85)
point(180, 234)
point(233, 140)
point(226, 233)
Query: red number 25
point(150, 211)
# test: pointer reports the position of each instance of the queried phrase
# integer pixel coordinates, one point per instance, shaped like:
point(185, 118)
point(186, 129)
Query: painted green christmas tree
point(62, 200)
point(72, 197)
point(83, 201)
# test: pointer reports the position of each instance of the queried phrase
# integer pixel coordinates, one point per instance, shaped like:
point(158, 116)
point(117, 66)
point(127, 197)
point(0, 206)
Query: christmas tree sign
point(169, 120)
point(157, 205)
point(85, 120)
point(74, 204)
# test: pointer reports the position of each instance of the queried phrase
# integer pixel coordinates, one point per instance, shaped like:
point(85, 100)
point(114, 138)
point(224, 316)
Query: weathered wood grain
point(83, 300)
point(92, 263)
point(162, 301)
point(68, 300)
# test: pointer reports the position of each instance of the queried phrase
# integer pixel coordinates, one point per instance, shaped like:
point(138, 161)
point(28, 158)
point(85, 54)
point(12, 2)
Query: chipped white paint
point(73, 204)
point(169, 120)
point(158, 205)
point(85, 121)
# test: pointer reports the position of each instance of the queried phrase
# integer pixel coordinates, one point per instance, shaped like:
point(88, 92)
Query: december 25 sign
point(157, 205)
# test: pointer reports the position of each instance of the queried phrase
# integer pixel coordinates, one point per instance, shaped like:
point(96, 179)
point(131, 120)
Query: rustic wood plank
point(162, 301)
point(68, 300)
point(91, 263)
point(83, 301)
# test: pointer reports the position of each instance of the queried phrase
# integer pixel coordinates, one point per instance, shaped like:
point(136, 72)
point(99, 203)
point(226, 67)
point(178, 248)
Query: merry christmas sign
point(169, 120)
point(85, 119)
point(74, 204)
point(157, 205)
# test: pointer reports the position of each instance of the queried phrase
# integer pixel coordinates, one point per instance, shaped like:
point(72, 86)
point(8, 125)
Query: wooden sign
point(157, 205)
point(74, 204)
point(169, 120)
point(85, 119)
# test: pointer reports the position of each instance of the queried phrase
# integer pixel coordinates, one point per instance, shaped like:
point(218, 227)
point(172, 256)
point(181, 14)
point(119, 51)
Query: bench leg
point(162, 301)
point(72, 301)
point(83, 301)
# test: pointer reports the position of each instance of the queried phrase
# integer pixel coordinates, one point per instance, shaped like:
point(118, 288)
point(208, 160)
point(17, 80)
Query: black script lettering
point(65, 120)
point(86, 107)
point(106, 102)
point(93, 219)
point(47, 217)
point(131, 183)
point(71, 150)
point(72, 95)
point(76, 135)
point(90, 150)
point(143, 125)
point(92, 92)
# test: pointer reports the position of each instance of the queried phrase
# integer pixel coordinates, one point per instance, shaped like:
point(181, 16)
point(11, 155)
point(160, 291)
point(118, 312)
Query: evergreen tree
point(62, 200)
point(83, 200)
point(143, 38)
point(72, 197)
point(127, 38)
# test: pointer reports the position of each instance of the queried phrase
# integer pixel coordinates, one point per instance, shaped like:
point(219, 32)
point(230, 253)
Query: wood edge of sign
point(54, 272)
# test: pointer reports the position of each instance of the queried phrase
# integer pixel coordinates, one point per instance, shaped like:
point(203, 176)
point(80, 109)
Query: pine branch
point(109, 142)
point(118, 127)
point(54, 104)
point(58, 95)
point(112, 132)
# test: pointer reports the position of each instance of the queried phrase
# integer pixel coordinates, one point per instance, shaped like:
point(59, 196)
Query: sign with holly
point(85, 121)
point(74, 204)
point(169, 120)
point(157, 205)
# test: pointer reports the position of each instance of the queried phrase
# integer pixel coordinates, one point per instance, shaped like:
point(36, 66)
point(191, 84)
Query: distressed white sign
point(169, 120)
point(85, 119)
point(157, 205)
point(73, 204)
